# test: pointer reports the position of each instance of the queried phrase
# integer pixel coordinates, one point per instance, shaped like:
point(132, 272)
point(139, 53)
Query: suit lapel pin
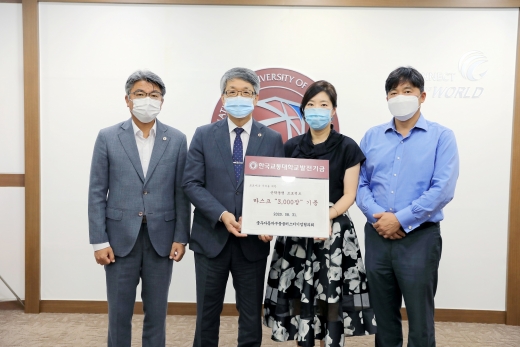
point(164, 138)
point(259, 135)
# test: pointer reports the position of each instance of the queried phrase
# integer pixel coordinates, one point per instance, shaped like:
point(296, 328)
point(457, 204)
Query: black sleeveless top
point(341, 151)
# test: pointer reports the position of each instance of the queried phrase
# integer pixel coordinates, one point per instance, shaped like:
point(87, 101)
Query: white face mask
point(146, 109)
point(403, 107)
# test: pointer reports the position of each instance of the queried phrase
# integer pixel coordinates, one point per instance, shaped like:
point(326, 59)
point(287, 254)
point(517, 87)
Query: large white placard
point(304, 214)
point(286, 197)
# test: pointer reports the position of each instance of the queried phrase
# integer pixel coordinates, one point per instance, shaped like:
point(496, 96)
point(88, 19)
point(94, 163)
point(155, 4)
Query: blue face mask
point(239, 107)
point(317, 118)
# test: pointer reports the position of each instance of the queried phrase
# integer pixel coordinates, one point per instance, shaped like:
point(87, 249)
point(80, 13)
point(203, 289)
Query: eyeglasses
point(244, 93)
point(141, 95)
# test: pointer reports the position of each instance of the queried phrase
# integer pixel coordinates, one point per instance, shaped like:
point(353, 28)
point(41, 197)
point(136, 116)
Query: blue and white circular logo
point(472, 65)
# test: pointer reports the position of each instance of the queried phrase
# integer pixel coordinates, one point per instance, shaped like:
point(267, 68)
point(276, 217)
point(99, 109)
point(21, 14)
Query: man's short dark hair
point(404, 74)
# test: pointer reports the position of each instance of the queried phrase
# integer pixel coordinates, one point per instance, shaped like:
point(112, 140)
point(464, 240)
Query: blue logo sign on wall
point(472, 65)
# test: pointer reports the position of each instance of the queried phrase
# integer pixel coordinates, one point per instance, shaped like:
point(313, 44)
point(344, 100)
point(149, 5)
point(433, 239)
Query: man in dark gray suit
point(214, 183)
point(139, 217)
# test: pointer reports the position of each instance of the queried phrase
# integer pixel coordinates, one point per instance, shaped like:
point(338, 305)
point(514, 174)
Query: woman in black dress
point(317, 288)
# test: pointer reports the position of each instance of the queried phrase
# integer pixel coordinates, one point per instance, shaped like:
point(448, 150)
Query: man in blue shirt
point(409, 175)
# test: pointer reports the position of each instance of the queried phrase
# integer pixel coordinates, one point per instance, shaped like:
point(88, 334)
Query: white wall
point(12, 209)
point(88, 51)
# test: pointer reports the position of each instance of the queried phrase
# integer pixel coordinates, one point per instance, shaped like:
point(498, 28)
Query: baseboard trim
point(190, 309)
point(72, 306)
point(10, 305)
point(466, 316)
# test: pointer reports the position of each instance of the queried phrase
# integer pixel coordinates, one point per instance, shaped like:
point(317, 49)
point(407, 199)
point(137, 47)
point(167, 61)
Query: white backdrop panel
point(12, 234)
point(88, 51)
point(11, 70)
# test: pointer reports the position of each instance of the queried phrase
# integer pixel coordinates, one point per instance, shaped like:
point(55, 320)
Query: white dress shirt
point(145, 148)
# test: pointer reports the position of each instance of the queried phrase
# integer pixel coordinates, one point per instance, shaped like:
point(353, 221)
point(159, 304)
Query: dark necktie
point(238, 154)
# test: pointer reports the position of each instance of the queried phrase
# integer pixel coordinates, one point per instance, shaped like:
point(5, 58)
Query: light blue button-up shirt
point(413, 177)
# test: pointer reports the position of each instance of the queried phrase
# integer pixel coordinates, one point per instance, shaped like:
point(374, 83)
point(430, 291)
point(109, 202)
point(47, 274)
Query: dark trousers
point(406, 268)
point(122, 279)
point(248, 280)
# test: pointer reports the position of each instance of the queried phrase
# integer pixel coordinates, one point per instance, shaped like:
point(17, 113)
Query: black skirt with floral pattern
point(318, 289)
